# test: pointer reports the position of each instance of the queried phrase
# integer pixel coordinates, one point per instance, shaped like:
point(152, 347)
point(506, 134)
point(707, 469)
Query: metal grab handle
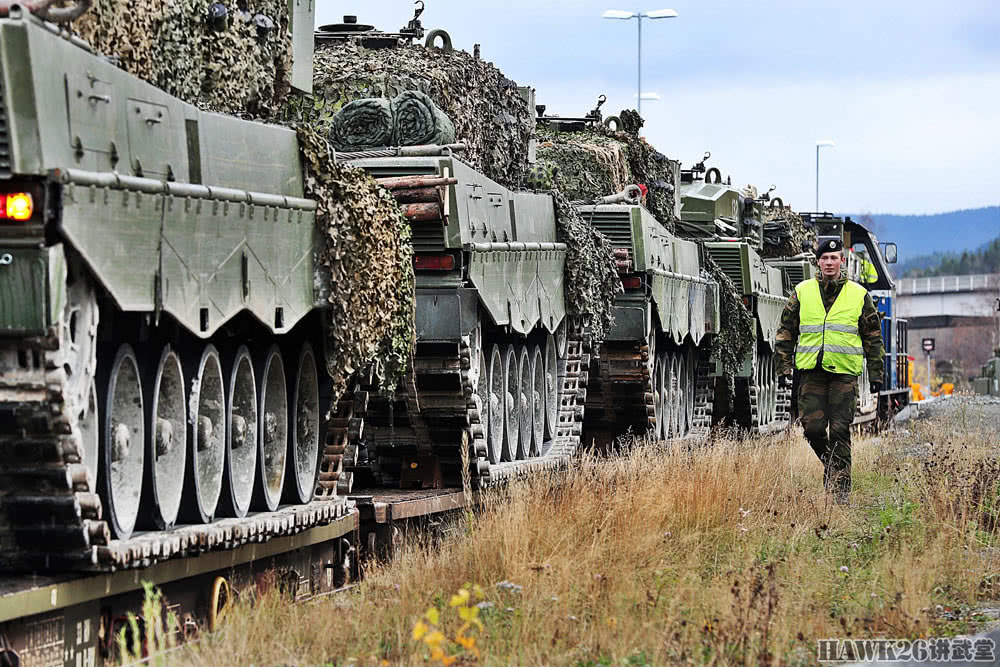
point(632, 194)
point(100, 98)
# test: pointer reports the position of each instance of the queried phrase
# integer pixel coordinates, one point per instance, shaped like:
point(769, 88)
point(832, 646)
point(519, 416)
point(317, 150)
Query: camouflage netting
point(490, 115)
point(599, 161)
point(737, 328)
point(784, 233)
point(171, 44)
point(592, 280)
point(372, 311)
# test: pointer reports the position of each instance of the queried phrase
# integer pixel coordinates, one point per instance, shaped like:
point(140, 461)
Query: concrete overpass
point(944, 301)
point(958, 312)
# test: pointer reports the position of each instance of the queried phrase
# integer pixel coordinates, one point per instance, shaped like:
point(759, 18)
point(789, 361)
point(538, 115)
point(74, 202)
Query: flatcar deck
point(25, 595)
point(386, 505)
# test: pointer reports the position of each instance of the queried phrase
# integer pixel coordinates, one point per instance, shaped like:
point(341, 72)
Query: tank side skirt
point(189, 215)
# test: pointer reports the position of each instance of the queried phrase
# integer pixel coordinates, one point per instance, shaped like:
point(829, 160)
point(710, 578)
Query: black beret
point(830, 245)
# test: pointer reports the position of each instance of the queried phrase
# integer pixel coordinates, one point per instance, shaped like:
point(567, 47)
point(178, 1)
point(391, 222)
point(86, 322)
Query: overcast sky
point(908, 89)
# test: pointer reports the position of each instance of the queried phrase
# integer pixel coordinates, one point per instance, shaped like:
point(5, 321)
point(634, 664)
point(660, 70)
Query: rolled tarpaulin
point(362, 124)
point(418, 121)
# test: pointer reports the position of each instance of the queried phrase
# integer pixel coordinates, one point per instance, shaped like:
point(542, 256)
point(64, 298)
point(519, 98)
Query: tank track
point(622, 400)
point(437, 417)
point(704, 394)
point(46, 499)
point(751, 409)
point(50, 520)
point(625, 381)
point(785, 398)
point(343, 430)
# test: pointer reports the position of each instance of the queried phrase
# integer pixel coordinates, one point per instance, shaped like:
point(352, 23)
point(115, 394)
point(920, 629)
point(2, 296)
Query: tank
point(500, 367)
point(165, 309)
point(651, 374)
point(988, 382)
point(728, 223)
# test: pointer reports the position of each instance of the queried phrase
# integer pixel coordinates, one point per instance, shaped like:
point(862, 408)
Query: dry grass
point(725, 555)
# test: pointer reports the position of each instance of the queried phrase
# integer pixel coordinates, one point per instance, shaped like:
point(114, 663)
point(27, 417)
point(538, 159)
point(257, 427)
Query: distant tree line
point(984, 260)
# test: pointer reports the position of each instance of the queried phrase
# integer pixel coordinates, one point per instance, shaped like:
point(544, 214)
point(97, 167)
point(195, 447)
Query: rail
point(947, 284)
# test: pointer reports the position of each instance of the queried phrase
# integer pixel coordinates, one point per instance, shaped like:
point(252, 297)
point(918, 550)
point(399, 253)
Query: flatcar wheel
point(525, 407)
point(241, 434)
point(495, 421)
point(304, 445)
point(663, 375)
point(537, 401)
point(511, 423)
point(90, 435)
point(167, 448)
point(273, 409)
point(551, 387)
point(122, 443)
point(659, 395)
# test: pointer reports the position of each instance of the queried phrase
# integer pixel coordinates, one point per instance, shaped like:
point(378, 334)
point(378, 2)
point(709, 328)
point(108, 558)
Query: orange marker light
point(631, 282)
point(434, 262)
point(18, 206)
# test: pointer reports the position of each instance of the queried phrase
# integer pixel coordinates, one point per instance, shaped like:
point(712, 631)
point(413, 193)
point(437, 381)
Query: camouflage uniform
point(829, 399)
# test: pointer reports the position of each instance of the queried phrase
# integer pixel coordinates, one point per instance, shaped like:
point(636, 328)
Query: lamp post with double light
point(639, 16)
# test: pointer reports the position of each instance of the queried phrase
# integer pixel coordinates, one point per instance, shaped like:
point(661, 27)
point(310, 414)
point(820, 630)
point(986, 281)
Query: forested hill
point(924, 240)
point(985, 259)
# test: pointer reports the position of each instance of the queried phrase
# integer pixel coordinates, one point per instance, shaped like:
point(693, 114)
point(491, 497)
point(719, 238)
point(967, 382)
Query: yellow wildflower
point(434, 639)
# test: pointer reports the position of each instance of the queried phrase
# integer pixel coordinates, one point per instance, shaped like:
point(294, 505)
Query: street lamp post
point(823, 143)
point(639, 16)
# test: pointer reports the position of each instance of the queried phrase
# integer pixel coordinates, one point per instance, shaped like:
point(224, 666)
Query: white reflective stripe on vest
point(843, 349)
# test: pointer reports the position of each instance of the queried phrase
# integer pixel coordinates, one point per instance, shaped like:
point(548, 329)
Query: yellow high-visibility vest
point(868, 272)
point(834, 332)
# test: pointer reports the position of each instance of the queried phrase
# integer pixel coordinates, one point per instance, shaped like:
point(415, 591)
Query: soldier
point(868, 272)
point(829, 328)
